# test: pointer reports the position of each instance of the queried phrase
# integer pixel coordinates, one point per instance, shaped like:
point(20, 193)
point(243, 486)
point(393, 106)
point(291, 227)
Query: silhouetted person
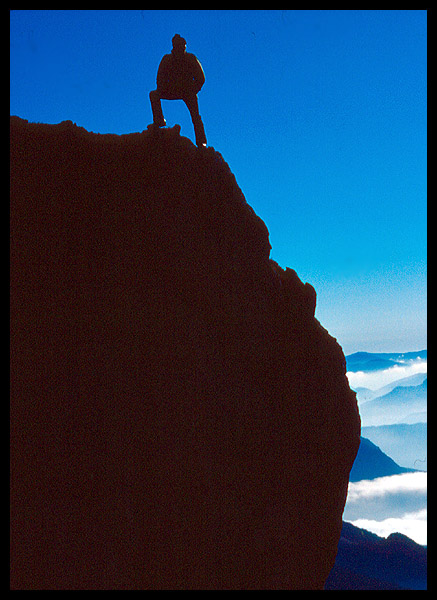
point(180, 77)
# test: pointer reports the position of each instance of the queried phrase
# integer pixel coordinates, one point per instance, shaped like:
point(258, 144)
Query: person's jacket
point(180, 75)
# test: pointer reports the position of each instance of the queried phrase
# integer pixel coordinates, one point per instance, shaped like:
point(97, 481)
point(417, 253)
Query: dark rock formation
point(179, 418)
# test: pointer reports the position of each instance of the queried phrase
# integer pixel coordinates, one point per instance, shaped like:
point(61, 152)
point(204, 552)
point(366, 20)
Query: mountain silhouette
point(179, 418)
point(366, 561)
point(371, 462)
point(406, 443)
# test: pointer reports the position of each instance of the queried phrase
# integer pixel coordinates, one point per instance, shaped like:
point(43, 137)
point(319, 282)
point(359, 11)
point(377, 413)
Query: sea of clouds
point(413, 525)
point(374, 380)
point(399, 501)
point(396, 503)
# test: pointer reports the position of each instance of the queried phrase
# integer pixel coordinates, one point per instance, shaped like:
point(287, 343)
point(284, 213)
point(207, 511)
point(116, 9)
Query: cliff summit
point(179, 417)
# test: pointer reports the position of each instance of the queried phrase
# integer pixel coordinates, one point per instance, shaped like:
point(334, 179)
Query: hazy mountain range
point(394, 415)
point(387, 485)
point(373, 361)
point(402, 404)
point(365, 394)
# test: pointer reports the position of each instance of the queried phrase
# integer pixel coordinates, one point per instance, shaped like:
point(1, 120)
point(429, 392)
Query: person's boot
point(155, 127)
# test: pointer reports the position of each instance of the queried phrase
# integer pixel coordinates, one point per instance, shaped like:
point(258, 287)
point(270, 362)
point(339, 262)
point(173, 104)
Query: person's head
point(179, 44)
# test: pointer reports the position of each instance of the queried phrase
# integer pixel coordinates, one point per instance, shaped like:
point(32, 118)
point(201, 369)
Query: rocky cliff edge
point(179, 418)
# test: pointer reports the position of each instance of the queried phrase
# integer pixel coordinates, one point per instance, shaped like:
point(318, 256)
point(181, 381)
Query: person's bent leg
point(155, 101)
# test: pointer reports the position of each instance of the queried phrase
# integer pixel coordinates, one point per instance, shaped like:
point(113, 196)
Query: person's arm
point(198, 75)
point(162, 77)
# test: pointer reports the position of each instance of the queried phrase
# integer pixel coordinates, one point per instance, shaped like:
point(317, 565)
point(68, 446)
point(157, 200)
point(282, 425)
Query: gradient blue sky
point(321, 115)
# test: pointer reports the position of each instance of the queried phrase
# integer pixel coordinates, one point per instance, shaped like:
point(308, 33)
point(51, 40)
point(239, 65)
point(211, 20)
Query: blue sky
point(320, 114)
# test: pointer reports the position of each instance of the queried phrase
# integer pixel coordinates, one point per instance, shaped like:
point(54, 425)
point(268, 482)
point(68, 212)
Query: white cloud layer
point(405, 483)
point(413, 525)
point(385, 505)
point(377, 379)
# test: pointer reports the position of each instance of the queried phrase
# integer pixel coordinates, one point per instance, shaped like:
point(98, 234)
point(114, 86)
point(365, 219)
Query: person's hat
point(178, 41)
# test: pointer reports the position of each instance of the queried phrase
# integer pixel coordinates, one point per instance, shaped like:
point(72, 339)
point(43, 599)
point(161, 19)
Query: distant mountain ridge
point(400, 403)
point(375, 361)
point(365, 394)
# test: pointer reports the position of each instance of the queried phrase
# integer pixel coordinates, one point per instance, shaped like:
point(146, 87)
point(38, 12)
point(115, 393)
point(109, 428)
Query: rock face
point(179, 418)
